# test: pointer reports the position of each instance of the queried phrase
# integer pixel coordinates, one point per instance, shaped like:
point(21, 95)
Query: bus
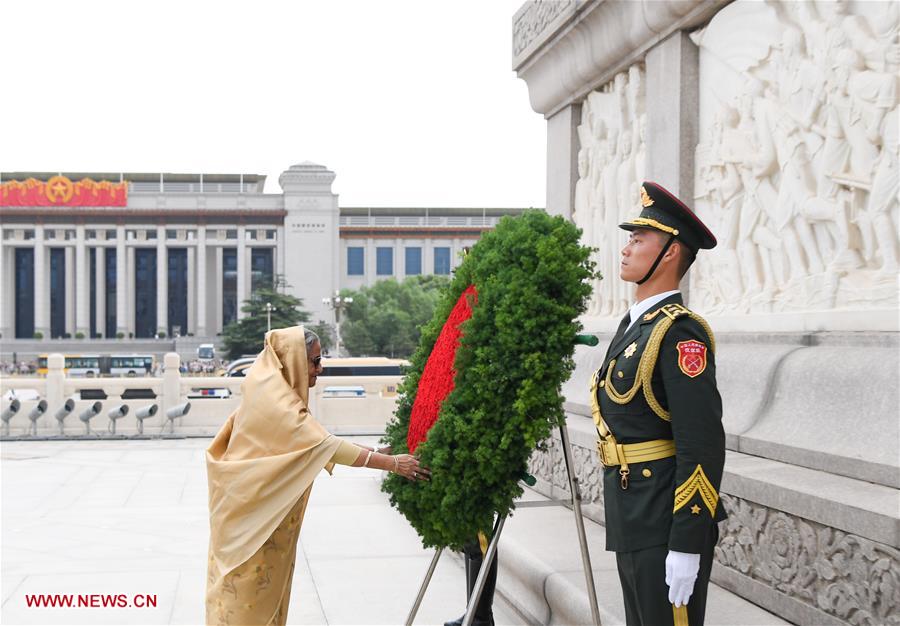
point(75, 365)
point(90, 365)
point(356, 394)
point(130, 364)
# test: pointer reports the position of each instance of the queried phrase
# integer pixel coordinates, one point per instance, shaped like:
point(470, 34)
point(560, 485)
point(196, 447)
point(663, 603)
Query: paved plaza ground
point(130, 517)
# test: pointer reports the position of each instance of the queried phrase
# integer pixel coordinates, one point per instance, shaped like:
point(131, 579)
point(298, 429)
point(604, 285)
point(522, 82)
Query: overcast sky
point(409, 103)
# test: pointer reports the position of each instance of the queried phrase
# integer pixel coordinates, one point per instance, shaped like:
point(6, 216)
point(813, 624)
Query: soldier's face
point(639, 254)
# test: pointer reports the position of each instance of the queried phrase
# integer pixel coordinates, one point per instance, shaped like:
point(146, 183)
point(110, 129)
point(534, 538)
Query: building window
point(384, 261)
point(151, 234)
point(229, 285)
point(171, 233)
point(57, 292)
point(356, 261)
point(413, 261)
point(442, 260)
point(28, 234)
point(178, 291)
point(145, 292)
point(90, 234)
point(24, 287)
point(261, 268)
point(70, 235)
point(92, 320)
point(111, 292)
point(231, 233)
point(110, 235)
point(270, 234)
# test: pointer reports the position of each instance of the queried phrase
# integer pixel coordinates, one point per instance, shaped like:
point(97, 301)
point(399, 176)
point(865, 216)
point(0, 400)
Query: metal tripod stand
point(574, 501)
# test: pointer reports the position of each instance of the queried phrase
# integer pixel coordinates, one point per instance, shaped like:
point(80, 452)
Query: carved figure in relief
point(604, 156)
point(582, 211)
point(880, 219)
point(610, 218)
point(626, 190)
point(809, 170)
point(612, 133)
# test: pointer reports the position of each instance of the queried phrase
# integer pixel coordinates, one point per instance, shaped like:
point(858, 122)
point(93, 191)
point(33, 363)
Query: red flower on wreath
point(438, 376)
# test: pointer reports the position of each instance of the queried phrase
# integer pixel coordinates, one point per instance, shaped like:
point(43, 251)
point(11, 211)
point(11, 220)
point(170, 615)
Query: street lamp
point(337, 302)
point(269, 309)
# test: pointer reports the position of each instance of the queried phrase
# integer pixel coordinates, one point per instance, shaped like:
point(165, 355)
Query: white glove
point(681, 572)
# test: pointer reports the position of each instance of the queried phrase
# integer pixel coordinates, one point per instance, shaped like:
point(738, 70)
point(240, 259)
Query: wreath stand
point(574, 501)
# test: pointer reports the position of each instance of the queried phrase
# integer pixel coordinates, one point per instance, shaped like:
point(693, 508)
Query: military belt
point(613, 454)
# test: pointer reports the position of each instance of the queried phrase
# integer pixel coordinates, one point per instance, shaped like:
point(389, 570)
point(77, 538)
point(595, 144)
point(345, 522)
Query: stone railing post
point(56, 381)
point(171, 388)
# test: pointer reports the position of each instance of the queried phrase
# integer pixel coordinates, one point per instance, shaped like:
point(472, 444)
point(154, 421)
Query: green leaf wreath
point(532, 278)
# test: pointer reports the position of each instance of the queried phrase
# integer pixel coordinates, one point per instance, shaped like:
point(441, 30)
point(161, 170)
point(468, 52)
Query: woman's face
point(314, 362)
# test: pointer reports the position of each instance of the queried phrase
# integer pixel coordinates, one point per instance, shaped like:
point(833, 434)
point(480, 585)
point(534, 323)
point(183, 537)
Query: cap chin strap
point(656, 262)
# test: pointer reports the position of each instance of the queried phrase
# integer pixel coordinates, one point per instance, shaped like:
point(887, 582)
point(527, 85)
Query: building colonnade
point(108, 280)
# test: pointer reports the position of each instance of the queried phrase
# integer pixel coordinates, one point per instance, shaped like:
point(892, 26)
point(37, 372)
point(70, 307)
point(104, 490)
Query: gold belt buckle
point(608, 455)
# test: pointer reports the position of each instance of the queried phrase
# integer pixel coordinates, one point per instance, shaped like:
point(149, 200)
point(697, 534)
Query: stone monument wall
point(778, 121)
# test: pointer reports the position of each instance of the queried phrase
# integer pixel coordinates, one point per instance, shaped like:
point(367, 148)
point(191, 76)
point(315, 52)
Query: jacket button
point(620, 374)
point(603, 383)
point(647, 473)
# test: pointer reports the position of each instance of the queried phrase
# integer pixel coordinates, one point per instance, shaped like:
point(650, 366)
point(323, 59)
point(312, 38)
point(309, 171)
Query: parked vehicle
point(90, 365)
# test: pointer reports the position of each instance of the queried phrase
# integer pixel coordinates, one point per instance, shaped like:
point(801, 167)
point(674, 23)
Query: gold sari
point(260, 468)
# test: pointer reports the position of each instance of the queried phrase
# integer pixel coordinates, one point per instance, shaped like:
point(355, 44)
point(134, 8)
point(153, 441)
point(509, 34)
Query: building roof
point(143, 177)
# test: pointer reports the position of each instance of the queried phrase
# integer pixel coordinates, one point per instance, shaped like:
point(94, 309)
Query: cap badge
point(646, 200)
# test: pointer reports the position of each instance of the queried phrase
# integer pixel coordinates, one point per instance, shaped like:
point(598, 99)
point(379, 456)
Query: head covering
point(663, 211)
point(267, 453)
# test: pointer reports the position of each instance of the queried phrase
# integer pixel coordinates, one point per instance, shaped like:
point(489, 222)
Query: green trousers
point(646, 594)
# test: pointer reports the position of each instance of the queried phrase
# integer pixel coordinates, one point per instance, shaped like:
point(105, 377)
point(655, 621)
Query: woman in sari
point(260, 467)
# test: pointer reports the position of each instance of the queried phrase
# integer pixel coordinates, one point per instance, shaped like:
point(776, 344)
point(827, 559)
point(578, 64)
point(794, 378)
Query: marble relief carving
point(611, 165)
point(549, 466)
point(797, 164)
point(844, 575)
point(537, 17)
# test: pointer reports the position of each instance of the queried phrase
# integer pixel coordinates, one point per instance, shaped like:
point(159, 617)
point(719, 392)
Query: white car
point(22, 395)
point(239, 367)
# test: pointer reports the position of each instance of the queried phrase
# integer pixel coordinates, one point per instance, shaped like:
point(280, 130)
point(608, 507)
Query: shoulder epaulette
point(672, 311)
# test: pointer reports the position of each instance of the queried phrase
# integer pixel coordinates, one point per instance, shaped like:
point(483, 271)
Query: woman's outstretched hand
point(408, 466)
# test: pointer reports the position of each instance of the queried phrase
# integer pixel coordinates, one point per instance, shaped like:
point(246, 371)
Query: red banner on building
point(60, 191)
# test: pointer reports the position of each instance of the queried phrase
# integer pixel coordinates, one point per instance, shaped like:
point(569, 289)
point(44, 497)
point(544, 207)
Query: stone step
point(541, 574)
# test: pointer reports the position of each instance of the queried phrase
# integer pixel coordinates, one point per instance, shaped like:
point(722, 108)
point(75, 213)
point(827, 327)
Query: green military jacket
point(668, 394)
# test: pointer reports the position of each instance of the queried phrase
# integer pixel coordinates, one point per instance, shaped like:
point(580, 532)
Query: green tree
point(386, 318)
point(246, 335)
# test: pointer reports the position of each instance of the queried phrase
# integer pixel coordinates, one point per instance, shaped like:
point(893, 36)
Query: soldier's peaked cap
point(664, 212)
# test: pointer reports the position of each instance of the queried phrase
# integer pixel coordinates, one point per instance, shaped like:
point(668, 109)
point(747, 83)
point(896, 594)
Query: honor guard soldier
point(659, 418)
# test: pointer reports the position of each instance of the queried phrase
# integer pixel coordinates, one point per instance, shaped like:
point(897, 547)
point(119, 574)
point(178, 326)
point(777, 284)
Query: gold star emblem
point(59, 189)
point(630, 350)
point(695, 510)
